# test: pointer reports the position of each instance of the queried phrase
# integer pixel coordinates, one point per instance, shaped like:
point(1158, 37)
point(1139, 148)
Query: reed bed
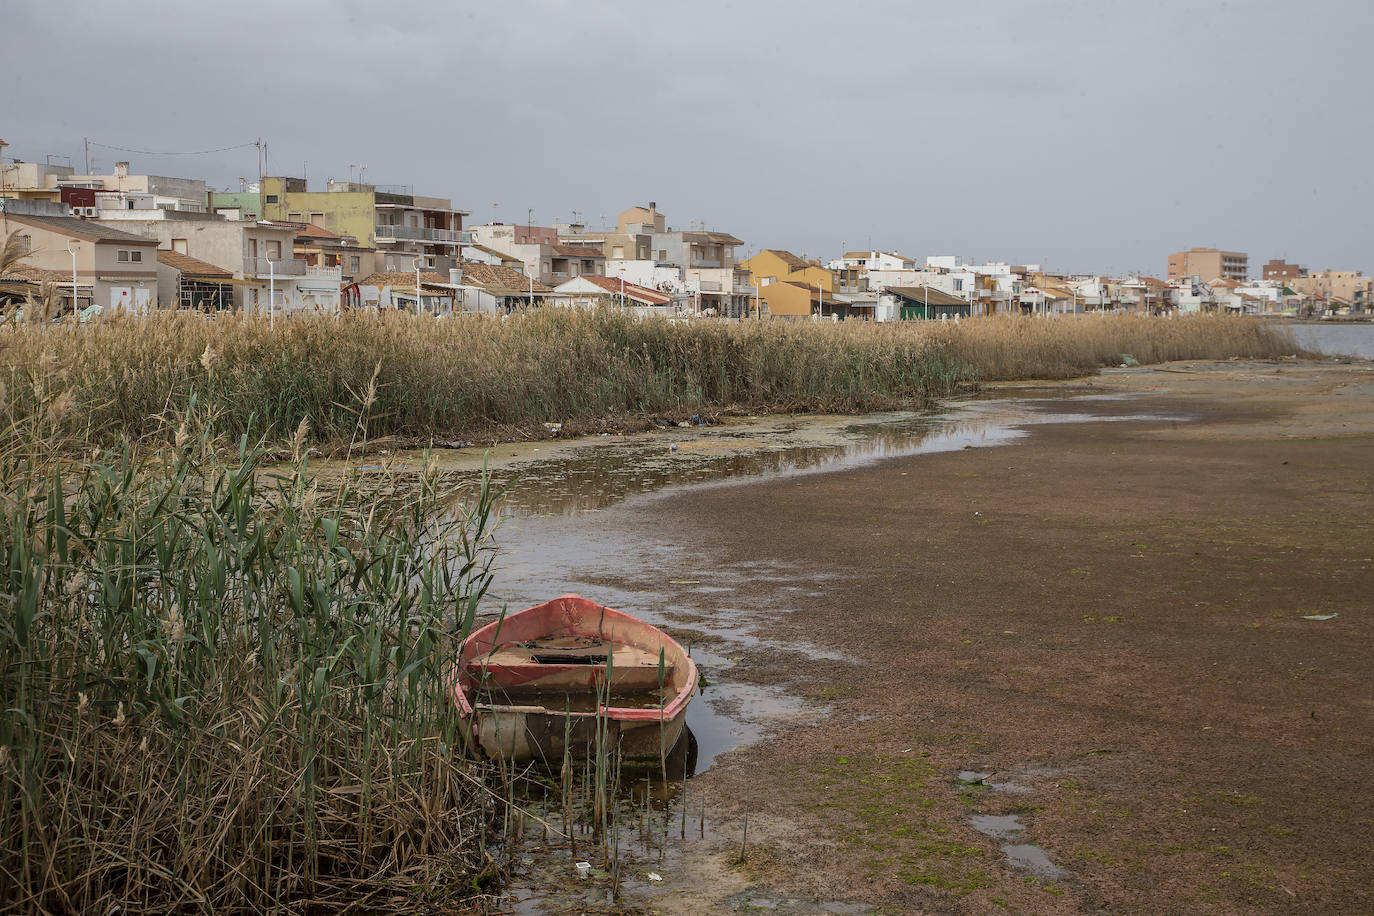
point(1009, 348)
point(443, 379)
point(225, 692)
point(472, 377)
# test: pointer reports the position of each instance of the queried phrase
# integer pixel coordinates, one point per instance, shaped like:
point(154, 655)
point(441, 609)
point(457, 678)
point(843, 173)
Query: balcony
point(324, 273)
point(283, 267)
point(386, 233)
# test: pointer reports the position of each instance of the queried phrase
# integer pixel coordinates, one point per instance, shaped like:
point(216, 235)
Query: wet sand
point(1101, 629)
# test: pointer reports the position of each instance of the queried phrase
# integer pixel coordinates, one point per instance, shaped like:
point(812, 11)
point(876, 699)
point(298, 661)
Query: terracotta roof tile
point(190, 266)
point(790, 259)
point(631, 290)
point(27, 273)
point(499, 280)
point(403, 279)
point(91, 230)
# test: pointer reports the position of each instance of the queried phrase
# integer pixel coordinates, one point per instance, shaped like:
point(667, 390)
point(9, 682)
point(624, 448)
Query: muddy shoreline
point(1115, 620)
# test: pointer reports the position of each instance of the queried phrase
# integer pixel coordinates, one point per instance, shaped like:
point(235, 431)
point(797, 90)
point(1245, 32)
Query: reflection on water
point(612, 470)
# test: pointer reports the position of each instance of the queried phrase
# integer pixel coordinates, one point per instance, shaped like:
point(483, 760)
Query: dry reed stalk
point(427, 379)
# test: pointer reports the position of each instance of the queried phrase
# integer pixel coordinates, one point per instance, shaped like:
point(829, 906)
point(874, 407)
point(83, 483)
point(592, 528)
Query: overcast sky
point(1087, 136)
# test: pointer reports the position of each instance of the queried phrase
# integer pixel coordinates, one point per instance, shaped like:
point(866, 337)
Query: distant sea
point(1336, 339)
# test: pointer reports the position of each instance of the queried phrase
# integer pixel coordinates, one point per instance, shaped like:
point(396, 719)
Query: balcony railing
point(282, 267)
point(324, 273)
point(423, 234)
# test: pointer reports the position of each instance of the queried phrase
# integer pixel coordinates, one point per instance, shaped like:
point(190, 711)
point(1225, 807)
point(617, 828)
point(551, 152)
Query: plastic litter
point(1127, 361)
point(583, 869)
point(654, 876)
point(1319, 616)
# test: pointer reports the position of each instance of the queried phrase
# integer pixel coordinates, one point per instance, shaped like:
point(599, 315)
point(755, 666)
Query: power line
point(148, 152)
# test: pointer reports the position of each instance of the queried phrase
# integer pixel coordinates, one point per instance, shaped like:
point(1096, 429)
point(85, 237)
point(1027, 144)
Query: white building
point(259, 255)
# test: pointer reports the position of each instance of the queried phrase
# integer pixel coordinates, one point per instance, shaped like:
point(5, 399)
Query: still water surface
point(1337, 339)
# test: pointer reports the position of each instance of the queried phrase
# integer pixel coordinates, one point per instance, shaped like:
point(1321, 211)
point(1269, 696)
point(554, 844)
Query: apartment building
point(1208, 264)
point(1344, 288)
point(1279, 269)
point(399, 224)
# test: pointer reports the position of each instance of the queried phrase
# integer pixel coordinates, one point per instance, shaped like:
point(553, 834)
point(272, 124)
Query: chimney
point(653, 207)
point(455, 276)
point(122, 169)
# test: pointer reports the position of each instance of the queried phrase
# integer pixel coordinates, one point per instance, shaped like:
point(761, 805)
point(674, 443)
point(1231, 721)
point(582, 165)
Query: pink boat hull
point(562, 647)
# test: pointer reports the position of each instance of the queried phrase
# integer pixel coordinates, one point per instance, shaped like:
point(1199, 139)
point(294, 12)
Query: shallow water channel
point(559, 529)
point(563, 529)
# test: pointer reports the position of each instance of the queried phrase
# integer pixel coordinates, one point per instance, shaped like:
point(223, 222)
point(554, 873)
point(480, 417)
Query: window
point(136, 256)
point(317, 219)
point(353, 263)
point(122, 255)
point(25, 244)
point(271, 198)
point(274, 250)
point(179, 246)
point(294, 217)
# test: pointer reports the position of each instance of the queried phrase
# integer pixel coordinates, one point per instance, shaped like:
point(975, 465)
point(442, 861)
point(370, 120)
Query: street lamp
point(419, 307)
point(271, 294)
point(72, 252)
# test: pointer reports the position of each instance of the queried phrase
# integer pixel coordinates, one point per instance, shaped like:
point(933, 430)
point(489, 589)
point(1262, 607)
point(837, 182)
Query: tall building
point(1208, 264)
point(1279, 269)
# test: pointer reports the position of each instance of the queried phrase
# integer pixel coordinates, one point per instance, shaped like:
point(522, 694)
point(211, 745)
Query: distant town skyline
point(1080, 136)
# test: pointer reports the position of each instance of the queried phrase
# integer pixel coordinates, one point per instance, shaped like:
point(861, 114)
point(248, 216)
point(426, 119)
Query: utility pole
point(86, 142)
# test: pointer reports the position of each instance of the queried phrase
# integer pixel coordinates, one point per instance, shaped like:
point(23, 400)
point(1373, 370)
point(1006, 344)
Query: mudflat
point(1149, 641)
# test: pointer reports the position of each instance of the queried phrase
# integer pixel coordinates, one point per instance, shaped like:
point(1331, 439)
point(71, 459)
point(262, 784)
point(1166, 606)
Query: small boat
point(543, 679)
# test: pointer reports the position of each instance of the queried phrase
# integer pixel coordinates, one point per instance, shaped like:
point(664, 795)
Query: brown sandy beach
point(1109, 620)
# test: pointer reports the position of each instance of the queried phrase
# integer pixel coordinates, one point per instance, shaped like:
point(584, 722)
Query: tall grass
point(441, 379)
point(1008, 348)
point(222, 694)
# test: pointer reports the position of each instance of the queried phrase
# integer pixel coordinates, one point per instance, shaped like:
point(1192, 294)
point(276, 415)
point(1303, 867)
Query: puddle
point(998, 826)
point(1023, 856)
point(1032, 859)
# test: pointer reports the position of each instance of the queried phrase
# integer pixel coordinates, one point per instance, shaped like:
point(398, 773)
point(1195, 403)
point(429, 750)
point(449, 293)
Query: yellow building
point(794, 299)
point(343, 212)
point(786, 300)
point(399, 226)
point(774, 265)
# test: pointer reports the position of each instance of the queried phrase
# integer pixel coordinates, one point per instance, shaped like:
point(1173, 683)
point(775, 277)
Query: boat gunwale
point(463, 680)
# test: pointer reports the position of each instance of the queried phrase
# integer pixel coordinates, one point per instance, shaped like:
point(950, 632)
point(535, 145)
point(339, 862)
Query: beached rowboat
point(537, 680)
